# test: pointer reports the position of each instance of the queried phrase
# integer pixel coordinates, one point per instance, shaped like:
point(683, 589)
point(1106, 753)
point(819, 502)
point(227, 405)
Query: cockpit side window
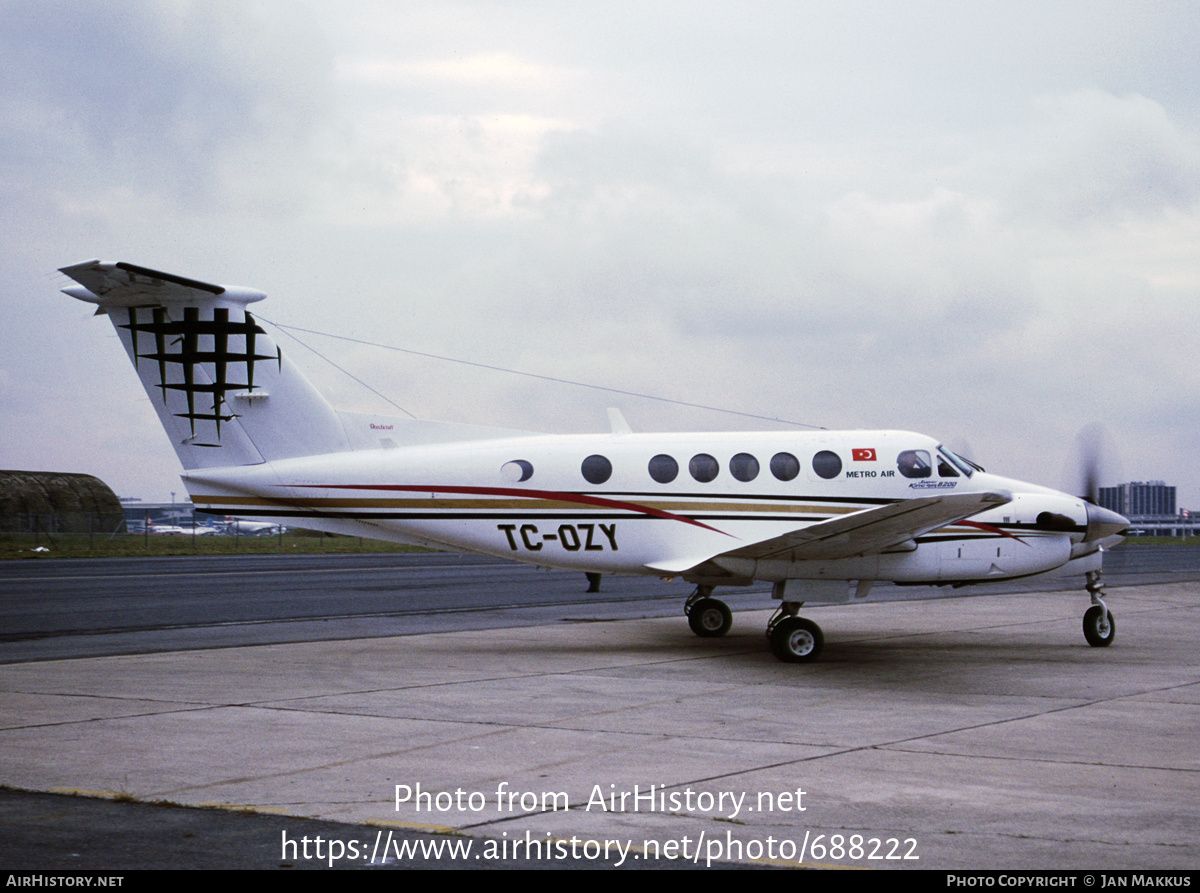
point(914, 464)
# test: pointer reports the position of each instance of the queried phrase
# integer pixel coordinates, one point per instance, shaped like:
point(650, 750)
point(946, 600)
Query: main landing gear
point(1099, 625)
point(793, 639)
point(709, 617)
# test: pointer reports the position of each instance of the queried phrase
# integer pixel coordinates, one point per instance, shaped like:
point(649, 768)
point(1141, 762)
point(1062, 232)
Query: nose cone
point(1102, 523)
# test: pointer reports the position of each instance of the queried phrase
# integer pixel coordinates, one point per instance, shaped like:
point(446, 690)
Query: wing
point(887, 527)
point(871, 530)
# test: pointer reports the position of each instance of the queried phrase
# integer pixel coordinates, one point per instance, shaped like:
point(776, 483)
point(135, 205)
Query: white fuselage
point(527, 498)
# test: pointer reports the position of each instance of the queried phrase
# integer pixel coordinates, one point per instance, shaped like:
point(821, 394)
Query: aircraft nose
point(1102, 523)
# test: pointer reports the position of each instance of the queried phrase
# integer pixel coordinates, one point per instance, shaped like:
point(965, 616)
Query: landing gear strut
point(1099, 625)
point(709, 617)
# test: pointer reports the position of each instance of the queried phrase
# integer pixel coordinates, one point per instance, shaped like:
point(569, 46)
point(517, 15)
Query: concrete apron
point(970, 733)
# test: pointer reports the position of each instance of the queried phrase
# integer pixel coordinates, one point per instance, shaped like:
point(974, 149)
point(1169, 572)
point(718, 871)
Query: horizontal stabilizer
point(128, 285)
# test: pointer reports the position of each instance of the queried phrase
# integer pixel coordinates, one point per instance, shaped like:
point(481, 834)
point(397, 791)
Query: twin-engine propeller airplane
point(821, 515)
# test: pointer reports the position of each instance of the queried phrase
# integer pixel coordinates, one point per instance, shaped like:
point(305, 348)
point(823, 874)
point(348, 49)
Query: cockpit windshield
point(966, 466)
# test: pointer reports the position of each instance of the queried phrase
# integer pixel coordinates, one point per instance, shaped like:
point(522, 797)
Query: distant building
point(1150, 507)
point(1140, 498)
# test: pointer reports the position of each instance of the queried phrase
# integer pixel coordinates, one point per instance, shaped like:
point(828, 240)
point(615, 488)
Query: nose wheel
point(1099, 625)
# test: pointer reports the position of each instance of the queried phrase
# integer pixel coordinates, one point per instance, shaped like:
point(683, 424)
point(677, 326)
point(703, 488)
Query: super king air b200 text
point(820, 515)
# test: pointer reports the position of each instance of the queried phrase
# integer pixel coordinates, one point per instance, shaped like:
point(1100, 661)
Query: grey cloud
point(1101, 157)
point(152, 96)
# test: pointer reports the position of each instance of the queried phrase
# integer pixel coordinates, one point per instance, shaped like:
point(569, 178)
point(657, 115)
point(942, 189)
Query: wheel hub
point(800, 642)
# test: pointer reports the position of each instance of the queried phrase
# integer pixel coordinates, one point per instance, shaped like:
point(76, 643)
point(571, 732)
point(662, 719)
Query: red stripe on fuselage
point(979, 525)
point(528, 494)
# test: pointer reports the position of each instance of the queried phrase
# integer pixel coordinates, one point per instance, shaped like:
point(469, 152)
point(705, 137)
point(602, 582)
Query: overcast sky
point(979, 220)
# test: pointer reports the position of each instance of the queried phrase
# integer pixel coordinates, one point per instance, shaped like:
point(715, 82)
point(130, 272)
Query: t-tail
point(224, 391)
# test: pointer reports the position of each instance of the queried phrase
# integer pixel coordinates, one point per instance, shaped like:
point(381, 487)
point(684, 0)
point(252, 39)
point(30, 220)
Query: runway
point(950, 733)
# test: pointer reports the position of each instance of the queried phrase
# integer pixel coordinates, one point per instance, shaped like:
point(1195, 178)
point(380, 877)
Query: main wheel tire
point(795, 640)
point(710, 618)
point(1097, 637)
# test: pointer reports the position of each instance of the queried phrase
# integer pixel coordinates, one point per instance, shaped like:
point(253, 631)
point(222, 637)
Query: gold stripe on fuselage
point(533, 503)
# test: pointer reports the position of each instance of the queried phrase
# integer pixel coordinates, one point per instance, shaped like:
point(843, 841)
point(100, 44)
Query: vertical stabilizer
point(223, 390)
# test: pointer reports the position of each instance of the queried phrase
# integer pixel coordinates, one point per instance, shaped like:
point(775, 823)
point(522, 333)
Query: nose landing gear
point(1099, 625)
